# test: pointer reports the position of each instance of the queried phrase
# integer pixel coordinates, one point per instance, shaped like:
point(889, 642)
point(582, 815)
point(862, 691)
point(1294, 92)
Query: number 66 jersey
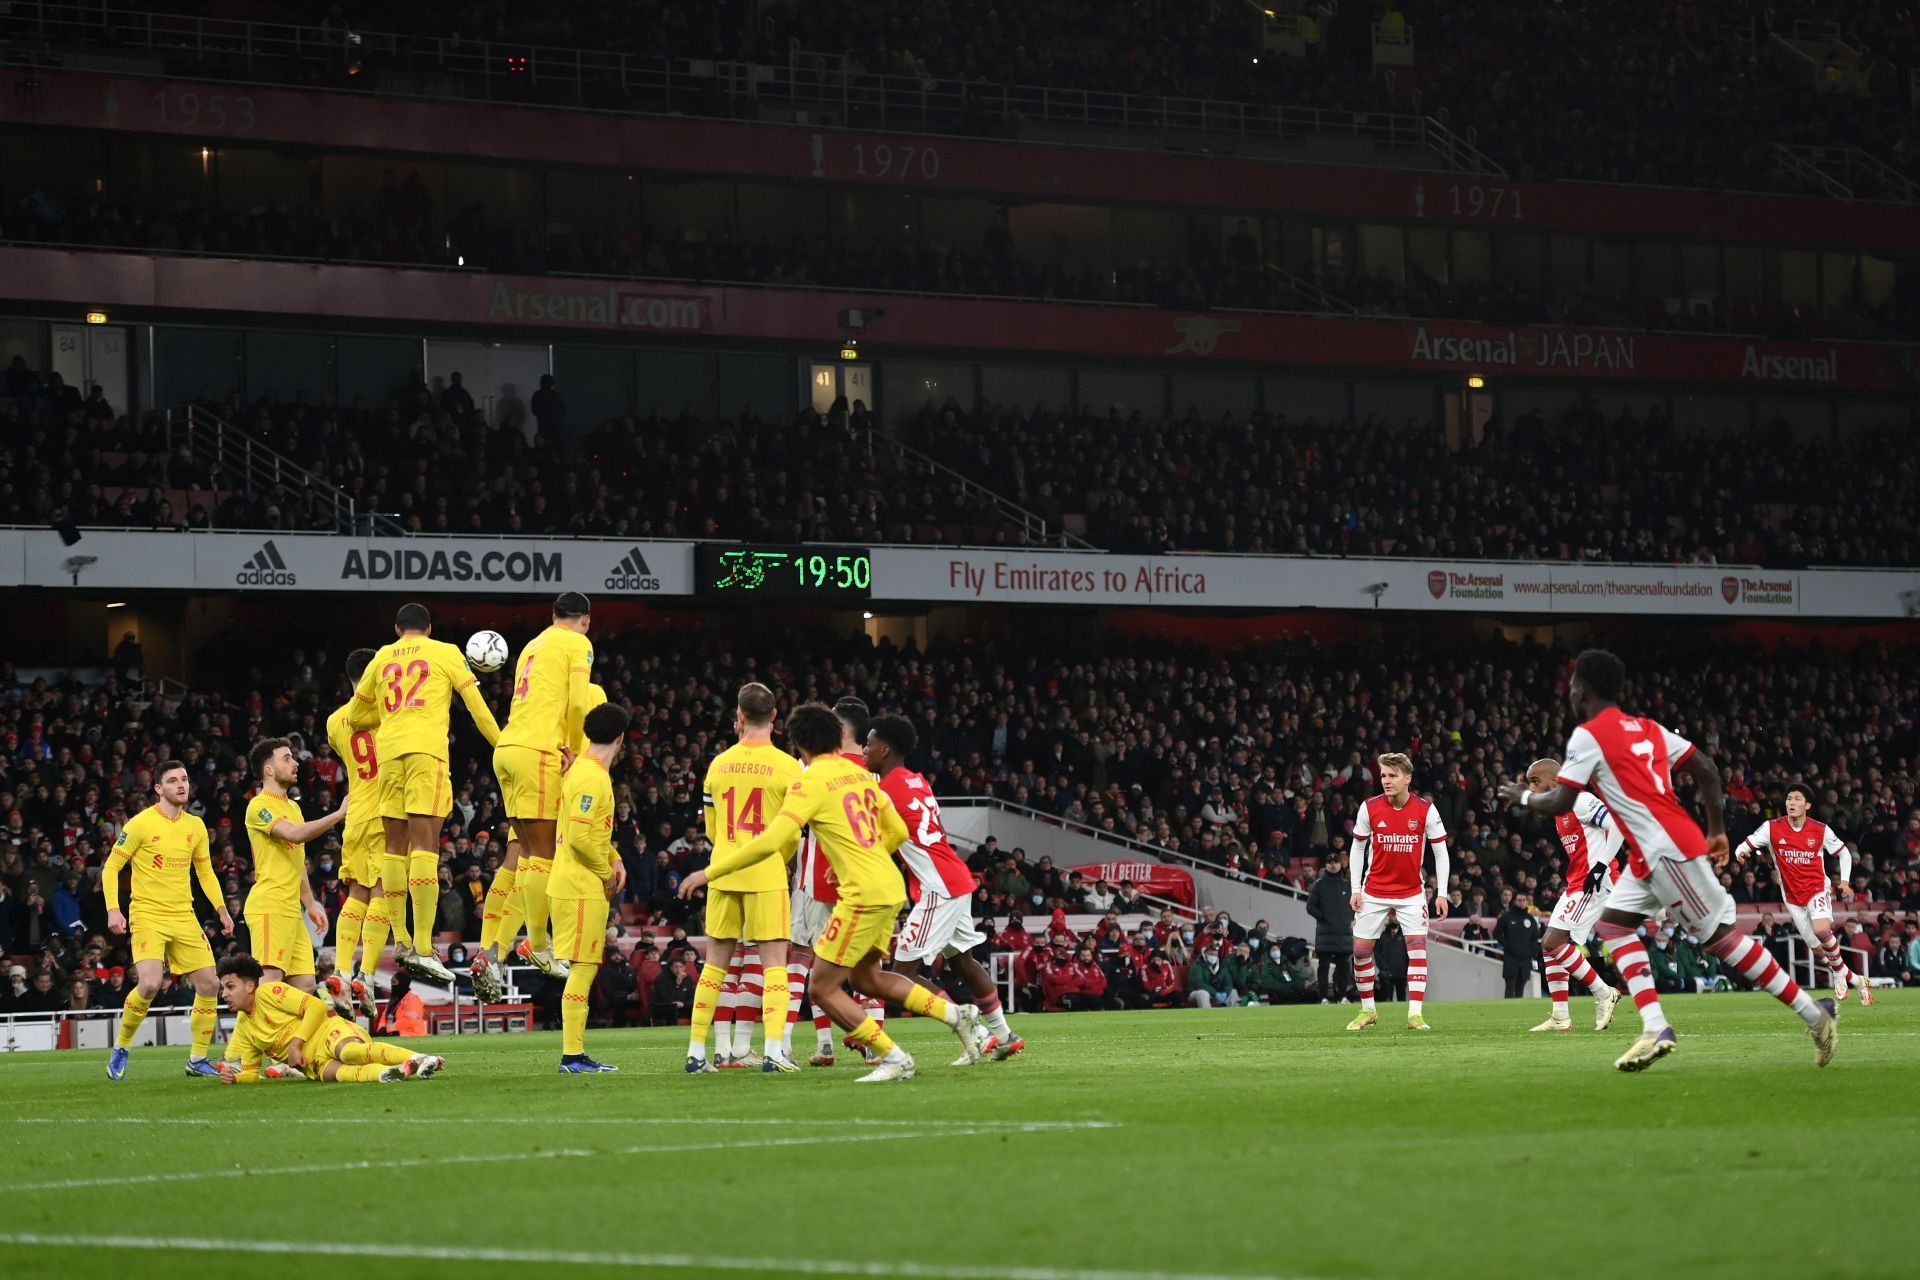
point(1628, 761)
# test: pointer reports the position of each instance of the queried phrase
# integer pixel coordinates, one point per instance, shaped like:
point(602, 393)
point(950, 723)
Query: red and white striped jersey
point(1396, 842)
point(1628, 762)
point(810, 863)
point(1577, 829)
point(1800, 854)
point(928, 857)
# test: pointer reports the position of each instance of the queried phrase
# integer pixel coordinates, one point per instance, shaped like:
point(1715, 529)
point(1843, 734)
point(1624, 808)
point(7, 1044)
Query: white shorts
point(937, 925)
point(1820, 907)
point(809, 918)
point(1576, 913)
point(1371, 920)
point(1687, 889)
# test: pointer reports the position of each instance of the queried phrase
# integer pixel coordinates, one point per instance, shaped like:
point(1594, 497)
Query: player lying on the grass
point(587, 877)
point(1800, 847)
point(1628, 761)
point(744, 784)
point(859, 829)
point(164, 844)
point(1391, 833)
point(281, 900)
point(277, 1022)
point(1590, 875)
point(941, 921)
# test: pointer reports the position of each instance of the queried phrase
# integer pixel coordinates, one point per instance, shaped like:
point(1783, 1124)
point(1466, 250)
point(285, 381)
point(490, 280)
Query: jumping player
point(1629, 762)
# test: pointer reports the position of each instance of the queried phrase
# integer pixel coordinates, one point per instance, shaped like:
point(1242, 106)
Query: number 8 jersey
point(1628, 762)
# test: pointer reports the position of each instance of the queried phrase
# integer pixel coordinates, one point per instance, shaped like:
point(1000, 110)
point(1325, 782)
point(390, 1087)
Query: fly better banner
point(934, 574)
point(294, 562)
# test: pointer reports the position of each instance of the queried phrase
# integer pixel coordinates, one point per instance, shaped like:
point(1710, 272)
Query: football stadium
point(1236, 640)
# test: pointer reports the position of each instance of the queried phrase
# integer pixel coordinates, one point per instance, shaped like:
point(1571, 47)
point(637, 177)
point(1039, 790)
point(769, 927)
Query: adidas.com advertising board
point(316, 562)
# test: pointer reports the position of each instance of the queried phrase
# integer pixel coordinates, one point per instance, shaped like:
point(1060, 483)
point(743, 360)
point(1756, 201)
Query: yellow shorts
point(280, 941)
point(175, 940)
point(334, 1032)
point(852, 932)
point(743, 915)
point(529, 782)
point(361, 851)
point(415, 783)
point(579, 928)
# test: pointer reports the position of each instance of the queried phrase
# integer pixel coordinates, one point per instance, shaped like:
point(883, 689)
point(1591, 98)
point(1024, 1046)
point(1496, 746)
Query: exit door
point(89, 355)
point(501, 377)
point(831, 380)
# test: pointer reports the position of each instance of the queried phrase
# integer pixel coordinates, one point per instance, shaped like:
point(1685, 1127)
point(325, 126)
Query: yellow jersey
point(166, 854)
point(351, 732)
point(577, 726)
point(282, 1013)
point(550, 683)
point(279, 866)
point(745, 789)
point(856, 825)
point(584, 861)
point(411, 683)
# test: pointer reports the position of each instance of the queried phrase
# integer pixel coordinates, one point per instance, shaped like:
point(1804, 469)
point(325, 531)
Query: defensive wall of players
point(119, 560)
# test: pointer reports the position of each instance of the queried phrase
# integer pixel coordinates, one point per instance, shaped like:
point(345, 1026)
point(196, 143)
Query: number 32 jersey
point(1628, 761)
point(412, 682)
point(746, 788)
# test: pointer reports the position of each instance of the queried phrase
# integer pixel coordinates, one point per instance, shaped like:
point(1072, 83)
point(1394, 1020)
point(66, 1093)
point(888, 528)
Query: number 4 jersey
point(746, 786)
point(929, 859)
point(1628, 761)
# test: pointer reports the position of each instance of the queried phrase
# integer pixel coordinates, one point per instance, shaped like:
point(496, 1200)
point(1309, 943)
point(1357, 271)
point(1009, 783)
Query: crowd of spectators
point(1129, 483)
point(1690, 94)
point(1583, 487)
point(1249, 762)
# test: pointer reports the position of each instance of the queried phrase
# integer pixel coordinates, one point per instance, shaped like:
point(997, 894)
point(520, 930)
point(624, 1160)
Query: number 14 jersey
point(746, 787)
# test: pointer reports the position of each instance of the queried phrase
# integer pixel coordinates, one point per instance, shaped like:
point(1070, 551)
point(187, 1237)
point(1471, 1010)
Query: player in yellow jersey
point(281, 900)
point(587, 878)
point(278, 1022)
point(410, 684)
point(859, 829)
point(551, 681)
point(745, 786)
point(164, 844)
point(363, 916)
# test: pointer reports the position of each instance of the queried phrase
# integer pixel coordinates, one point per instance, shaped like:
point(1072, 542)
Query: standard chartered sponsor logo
point(409, 565)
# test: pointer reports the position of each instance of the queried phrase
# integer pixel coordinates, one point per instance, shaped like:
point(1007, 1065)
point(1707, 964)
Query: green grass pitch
point(1152, 1146)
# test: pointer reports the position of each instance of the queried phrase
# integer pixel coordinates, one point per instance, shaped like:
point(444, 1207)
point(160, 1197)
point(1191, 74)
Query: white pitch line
point(751, 1122)
point(583, 1258)
point(147, 1179)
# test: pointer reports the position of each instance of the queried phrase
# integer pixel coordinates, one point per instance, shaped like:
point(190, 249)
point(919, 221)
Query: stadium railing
point(1029, 522)
point(254, 466)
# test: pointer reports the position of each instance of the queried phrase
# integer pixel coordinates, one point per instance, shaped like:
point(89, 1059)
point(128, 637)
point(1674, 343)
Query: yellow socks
point(871, 1034)
point(499, 893)
point(366, 1073)
point(423, 891)
point(393, 887)
point(346, 935)
point(205, 1015)
point(511, 917)
point(706, 997)
point(132, 1014)
point(358, 1053)
point(533, 896)
point(373, 935)
point(773, 1005)
point(573, 1008)
point(923, 1003)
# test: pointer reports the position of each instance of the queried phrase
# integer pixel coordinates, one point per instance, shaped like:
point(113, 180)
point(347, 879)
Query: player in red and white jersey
point(814, 895)
point(1591, 840)
point(1628, 761)
point(940, 921)
point(1391, 833)
point(1800, 847)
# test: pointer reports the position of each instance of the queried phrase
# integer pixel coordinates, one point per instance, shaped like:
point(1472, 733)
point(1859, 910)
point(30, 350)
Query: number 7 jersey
point(746, 787)
point(1628, 762)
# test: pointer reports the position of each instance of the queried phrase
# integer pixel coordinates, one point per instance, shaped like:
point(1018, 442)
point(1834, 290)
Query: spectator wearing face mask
point(1330, 903)
point(1210, 980)
point(1274, 980)
point(1160, 980)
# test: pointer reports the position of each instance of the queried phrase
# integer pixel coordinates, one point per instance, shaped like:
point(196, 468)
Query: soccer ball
point(486, 651)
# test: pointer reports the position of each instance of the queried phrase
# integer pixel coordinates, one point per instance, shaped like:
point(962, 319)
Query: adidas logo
point(632, 574)
point(266, 569)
